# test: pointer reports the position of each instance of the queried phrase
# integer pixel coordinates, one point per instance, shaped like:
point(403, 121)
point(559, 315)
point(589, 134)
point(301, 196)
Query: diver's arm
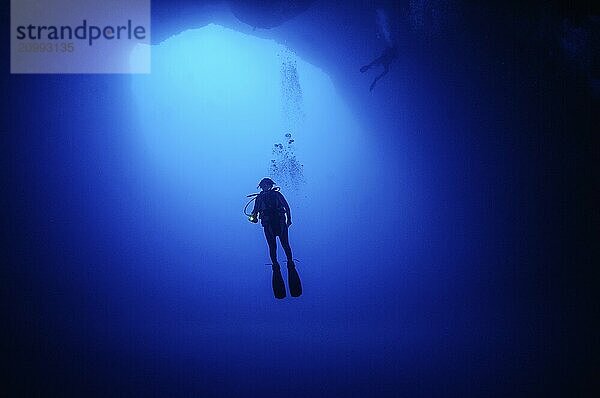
point(288, 211)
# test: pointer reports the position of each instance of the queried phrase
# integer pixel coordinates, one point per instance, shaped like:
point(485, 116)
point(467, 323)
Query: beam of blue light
point(209, 115)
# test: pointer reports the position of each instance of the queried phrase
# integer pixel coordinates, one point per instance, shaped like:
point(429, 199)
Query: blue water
point(140, 275)
point(374, 295)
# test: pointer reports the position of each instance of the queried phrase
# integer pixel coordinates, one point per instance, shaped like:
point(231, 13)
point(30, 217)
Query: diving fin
point(278, 285)
point(294, 280)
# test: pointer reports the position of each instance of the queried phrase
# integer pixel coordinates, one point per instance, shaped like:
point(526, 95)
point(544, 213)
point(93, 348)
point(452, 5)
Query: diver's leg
point(293, 278)
point(369, 66)
point(382, 74)
point(272, 242)
point(285, 243)
point(277, 278)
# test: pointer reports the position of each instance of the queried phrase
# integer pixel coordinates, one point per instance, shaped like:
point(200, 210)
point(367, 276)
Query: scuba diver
point(385, 59)
point(275, 216)
point(389, 54)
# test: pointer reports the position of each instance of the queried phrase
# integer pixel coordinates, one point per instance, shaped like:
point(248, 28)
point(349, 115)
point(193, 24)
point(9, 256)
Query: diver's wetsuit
point(272, 209)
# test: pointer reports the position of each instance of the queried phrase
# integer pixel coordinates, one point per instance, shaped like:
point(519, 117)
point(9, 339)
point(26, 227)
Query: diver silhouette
point(275, 216)
point(385, 59)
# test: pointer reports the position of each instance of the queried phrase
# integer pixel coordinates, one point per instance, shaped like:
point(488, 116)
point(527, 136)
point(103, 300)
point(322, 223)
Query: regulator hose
point(254, 196)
